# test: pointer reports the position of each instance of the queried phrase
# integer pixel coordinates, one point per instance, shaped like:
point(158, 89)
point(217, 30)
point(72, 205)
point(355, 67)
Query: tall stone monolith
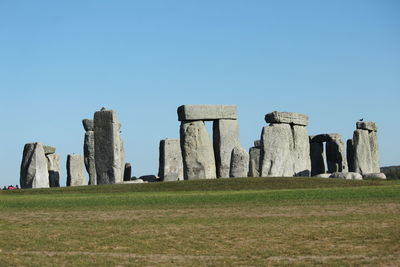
point(317, 156)
point(53, 166)
point(170, 160)
point(197, 151)
point(226, 137)
point(75, 170)
point(109, 150)
point(89, 151)
point(336, 154)
point(254, 161)
point(127, 172)
point(34, 172)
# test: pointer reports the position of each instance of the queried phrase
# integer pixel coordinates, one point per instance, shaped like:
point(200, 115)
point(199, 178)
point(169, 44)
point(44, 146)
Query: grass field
point(249, 221)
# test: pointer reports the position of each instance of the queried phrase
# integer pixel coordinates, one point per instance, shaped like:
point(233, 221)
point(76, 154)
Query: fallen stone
point(347, 175)
point(239, 162)
point(49, 150)
point(109, 149)
point(323, 175)
point(75, 170)
point(170, 160)
point(53, 166)
point(379, 175)
point(254, 162)
point(317, 156)
point(366, 125)
point(127, 172)
point(197, 151)
point(34, 173)
point(88, 124)
point(136, 181)
point(206, 112)
point(149, 178)
point(287, 117)
point(89, 157)
point(226, 137)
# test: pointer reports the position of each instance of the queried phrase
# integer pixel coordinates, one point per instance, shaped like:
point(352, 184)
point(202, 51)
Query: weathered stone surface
point(257, 143)
point(366, 125)
point(127, 172)
point(254, 162)
point(89, 157)
point(346, 175)
point(226, 137)
point(301, 151)
point(197, 151)
point(149, 178)
point(34, 173)
point(53, 166)
point(170, 160)
point(317, 156)
point(335, 155)
point(365, 149)
point(88, 124)
point(277, 142)
point(75, 170)
point(109, 150)
point(286, 151)
point(49, 150)
point(206, 112)
point(323, 175)
point(287, 117)
point(350, 155)
point(379, 175)
point(321, 138)
point(239, 162)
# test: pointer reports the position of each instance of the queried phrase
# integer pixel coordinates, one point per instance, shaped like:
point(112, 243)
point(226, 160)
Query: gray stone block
point(170, 160)
point(257, 143)
point(197, 151)
point(53, 166)
point(226, 137)
point(88, 124)
point(89, 157)
point(336, 155)
point(317, 156)
point(109, 149)
point(127, 172)
point(379, 175)
point(347, 175)
point(254, 162)
point(366, 125)
point(323, 175)
point(49, 150)
point(287, 117)
point(206, 112)
point(34, 172)
point(75, 170)
point(366, 154)
point(239, 163)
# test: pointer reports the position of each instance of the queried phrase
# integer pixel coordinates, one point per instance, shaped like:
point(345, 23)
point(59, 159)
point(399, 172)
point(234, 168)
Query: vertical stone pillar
point(317, 158)
point(170, 160)
point(127, 172)
point(254, 160)
point(239, 162)
point(226, 137)
point(109, 150)
point(53, 165)
point(350, 155)
point(34, 173)
point(197, 151)
point(335, 154)
point(75, 170)
point(88, 151)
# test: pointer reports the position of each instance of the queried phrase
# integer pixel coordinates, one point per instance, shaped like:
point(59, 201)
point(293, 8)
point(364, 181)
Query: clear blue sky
point(336, 61)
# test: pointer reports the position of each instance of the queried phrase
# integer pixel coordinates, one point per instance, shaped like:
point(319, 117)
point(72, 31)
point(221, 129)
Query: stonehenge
point(34, 171)
point(334, 154)
point(108, 147)
point(239, 162)
point(201, 158)
point(75, 170)
point(362, 150)
point(88, 150)
point(170, 160)
point(53, 166)
point(254, 159)
point(285, 145)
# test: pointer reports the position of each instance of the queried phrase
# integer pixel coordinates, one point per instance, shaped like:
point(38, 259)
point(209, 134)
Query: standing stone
point(317, 158)
point(197, 151)
point(254, 162)
point(226, 137)
point(350, 155)
point(277, 157)
point(301, 151)
point(109, 151)
point(89, 157)
point(362, 152)
point(75, 170)
point(170, 160)
point(34, 173)
point(373, 142)
point(335, 154)
point(127, 172)
point(53, 166)
point(239, 162)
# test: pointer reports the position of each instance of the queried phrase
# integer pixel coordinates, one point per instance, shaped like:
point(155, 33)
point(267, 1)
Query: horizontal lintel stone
point(206, 112)
point(287, 117)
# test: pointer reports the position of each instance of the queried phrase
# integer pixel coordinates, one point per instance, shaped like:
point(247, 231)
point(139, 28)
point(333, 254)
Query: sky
point(60, 61)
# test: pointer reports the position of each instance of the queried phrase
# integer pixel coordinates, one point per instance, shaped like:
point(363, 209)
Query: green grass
point(249, 221)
